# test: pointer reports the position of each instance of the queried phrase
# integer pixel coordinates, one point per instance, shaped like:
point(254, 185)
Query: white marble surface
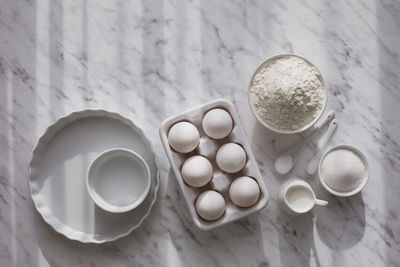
point(152, 59)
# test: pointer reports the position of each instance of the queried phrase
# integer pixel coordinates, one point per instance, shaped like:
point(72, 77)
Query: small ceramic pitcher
point(297, 197)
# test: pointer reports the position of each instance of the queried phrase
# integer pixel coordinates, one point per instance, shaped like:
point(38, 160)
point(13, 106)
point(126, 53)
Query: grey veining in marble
point(152, 59)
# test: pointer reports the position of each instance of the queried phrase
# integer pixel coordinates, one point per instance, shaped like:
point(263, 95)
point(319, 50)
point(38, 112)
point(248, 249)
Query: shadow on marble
point(296, 240)
point(271, 144)
point(54, 247)
point(153, 71)
point(388, 134)
point(58, 250)
point(234, 244)
point(341, 225)
point(18, 119)
point(263, 143)
point(278, 143)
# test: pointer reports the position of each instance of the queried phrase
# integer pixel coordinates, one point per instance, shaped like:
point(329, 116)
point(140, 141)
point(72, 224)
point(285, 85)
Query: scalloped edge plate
point(45, 210)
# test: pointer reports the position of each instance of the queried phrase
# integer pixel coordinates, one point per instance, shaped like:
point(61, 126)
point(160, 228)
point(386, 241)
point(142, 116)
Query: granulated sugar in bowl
point(287, 94)
point(343, 170)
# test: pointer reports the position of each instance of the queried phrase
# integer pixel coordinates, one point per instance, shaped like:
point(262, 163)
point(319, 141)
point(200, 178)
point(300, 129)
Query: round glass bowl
point(118, 180)
point(359, 187)
point(265, 124)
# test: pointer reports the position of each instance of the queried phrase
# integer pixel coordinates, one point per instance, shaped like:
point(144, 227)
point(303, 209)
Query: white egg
point(210, 205)
point(231, 158)
point(197, 171)
point(183, 137)
point(217, 123)
point(244, 191)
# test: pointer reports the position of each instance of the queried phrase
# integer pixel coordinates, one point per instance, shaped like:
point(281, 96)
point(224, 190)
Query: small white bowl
point(266, 125)
point(359, 187)
point(118, 180)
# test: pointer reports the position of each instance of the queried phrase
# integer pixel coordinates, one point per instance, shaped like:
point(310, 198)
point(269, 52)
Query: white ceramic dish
point(302, 129)
point(220, 181)
point(118, 180)
point(359, 187)
point(58, 168)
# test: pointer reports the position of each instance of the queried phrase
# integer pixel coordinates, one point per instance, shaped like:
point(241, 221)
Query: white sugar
point(343, 170)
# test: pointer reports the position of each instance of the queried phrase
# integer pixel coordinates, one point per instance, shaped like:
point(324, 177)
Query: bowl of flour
point(287, 94)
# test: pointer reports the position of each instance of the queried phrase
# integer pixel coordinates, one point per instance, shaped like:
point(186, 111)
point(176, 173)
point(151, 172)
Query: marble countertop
point(152, 59)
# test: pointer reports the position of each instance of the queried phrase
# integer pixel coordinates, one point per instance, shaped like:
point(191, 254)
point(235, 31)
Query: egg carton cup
point(220, 181)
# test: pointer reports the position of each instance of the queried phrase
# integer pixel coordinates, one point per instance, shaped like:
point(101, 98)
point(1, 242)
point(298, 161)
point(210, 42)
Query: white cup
point(297, 197)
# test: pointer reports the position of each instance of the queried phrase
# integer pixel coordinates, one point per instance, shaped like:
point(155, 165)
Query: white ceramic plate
point(58, 168)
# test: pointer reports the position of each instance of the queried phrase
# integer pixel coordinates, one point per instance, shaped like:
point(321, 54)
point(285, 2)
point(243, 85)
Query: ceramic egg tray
point(220, 181)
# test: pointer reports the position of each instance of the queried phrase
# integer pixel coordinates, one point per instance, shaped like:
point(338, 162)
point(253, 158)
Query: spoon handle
point(311, 134)
point(279, 144)
point(321, 202)
point(331, 115)
point(313, 163)
point(293, 152)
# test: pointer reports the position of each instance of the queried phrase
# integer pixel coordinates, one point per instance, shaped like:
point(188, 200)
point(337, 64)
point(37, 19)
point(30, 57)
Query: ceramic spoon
point(313, 164)
point(330, 116)
point(321, 202)
point(286, 161)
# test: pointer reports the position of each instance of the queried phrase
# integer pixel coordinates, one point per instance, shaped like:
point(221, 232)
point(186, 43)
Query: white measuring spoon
point(286, 161)
point(313, 163)
point(330, 116)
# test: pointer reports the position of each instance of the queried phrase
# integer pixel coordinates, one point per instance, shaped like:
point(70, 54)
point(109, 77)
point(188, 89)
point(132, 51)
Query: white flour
point(288, 93)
